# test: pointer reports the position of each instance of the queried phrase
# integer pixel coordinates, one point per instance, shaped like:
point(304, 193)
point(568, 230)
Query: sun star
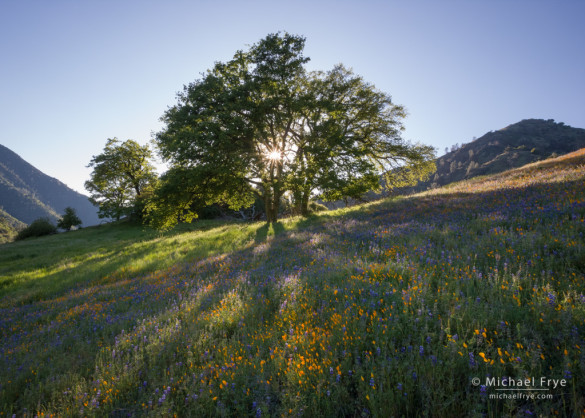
point(274, 155)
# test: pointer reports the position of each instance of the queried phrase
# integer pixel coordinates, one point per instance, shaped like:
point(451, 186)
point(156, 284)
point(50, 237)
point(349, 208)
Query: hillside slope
point(9, 227)
point(522, 143)
point(27, 194)
point(394, 308)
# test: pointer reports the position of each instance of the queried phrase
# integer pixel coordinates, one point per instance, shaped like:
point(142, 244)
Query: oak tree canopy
point(262, 126)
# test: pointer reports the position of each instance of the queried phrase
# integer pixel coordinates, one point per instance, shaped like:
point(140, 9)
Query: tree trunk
point(267, 204)
point(305, 205)
point(275, 206)
point(297, 202)
point(271, 205)
point(306, 194)
point(269, 211)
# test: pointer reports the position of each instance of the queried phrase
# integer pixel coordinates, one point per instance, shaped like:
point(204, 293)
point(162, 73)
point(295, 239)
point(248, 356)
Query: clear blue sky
point(74, 73)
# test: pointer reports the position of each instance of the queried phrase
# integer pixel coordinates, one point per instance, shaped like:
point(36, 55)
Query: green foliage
point(37, 228)
point(352, 138)
point(69, 219)
point(181, 192)
point(122, 179)
point(261, 126)
point(316, 207)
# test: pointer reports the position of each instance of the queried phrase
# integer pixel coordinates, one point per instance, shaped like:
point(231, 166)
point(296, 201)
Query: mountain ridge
point(516, 145)
point(26, 193)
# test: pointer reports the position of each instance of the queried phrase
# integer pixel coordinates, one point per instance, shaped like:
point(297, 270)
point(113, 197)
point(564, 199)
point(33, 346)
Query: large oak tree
point(261, 126)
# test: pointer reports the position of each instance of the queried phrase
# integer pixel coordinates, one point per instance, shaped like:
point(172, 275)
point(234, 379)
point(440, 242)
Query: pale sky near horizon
point(74, 73)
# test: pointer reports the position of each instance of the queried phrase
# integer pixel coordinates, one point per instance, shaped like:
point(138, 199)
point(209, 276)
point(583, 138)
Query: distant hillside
point(9, 226)
point(27, 194)
point(522, 143)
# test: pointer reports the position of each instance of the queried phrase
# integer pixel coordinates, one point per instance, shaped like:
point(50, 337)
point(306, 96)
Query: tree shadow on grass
point(278, 228)
point(262, 233)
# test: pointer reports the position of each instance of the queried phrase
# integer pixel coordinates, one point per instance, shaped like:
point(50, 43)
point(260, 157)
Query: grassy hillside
point(392, 308)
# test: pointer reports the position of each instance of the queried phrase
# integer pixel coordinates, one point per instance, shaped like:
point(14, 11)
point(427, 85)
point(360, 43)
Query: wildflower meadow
point(442, 303)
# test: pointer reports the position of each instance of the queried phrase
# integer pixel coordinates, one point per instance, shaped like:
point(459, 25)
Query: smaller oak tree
point(121, 180)
point(69, 219)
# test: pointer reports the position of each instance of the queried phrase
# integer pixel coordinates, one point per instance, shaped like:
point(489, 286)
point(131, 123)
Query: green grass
point(35, 269)
point(387, 309)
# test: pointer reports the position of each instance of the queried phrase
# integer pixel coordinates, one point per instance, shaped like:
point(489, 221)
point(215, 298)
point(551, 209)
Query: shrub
point(37, 228)
point(69, 219)
point(317, 207)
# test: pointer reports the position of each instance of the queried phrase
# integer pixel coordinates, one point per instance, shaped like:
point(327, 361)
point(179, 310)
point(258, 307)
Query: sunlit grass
point(34, 269)
point(388, 309)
